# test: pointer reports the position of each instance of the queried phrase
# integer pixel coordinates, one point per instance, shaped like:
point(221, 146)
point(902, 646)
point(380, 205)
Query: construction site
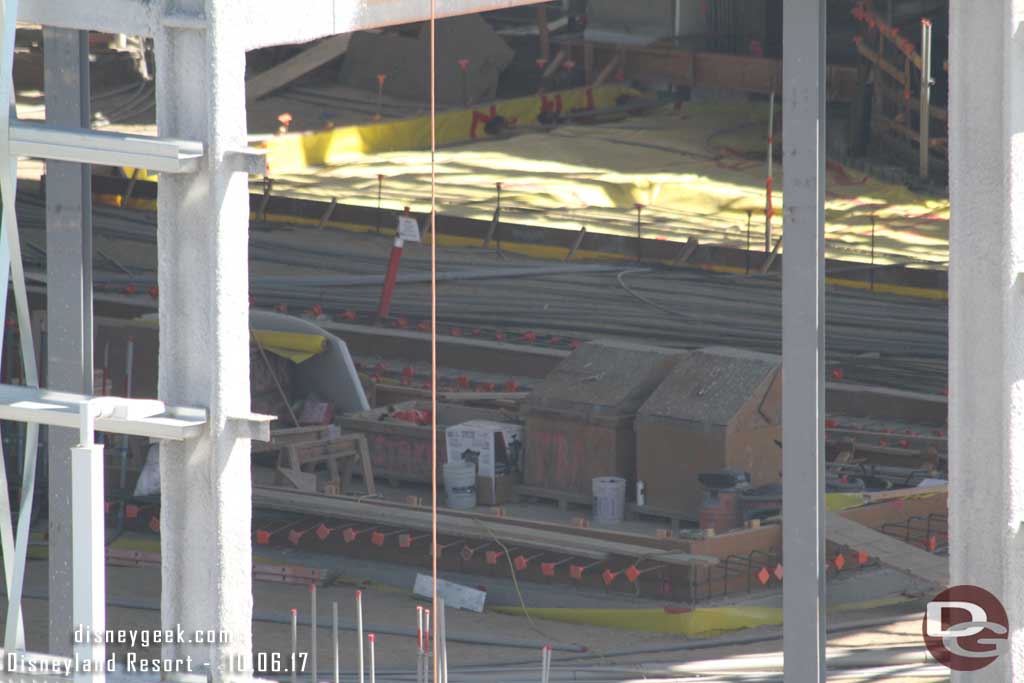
point(331, 325)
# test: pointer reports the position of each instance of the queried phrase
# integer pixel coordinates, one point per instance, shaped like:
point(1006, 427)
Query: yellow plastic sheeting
point(697, 172)
point(294, 152)
point(294, 346)
point(701, 622)
point(836, 502)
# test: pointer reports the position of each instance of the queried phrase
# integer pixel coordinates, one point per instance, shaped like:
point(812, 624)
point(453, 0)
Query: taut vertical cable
point(433, 322)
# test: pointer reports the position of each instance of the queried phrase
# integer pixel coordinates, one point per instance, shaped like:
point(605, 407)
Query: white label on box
point(408, 229)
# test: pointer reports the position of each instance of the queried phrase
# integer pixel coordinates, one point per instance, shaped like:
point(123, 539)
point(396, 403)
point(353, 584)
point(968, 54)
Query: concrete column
point(803, 341)
point(203, 230)
point(68, 301)
point(986, 311)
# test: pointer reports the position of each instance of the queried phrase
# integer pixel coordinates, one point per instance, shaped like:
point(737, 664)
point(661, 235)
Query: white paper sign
point(408, 229)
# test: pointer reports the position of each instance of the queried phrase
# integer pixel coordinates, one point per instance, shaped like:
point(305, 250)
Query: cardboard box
point(497, 450)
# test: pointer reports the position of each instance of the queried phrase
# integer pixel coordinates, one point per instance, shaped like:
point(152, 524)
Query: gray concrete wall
point(986, 311)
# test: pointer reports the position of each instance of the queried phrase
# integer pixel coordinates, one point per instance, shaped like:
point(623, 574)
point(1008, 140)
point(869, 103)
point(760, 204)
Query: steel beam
point(803, 340)
point(283, 23)
point(268, 22)
point(133, 17)
point(84, 146)
point(68, 302)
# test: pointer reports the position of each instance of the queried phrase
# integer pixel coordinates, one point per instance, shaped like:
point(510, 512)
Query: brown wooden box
point(579, 421)
point(719, 408)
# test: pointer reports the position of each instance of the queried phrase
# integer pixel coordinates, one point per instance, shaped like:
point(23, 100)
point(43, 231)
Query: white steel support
point(69, 358)
point(88, 608)
point(10, 263)
point(986, 312)
point(803, 340)
point(202, 240)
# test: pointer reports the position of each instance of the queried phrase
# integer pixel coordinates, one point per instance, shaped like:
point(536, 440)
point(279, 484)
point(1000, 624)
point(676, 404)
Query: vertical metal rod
point(803, 340)
point(336, 642)
point(359, 633)
point(769, 211)
point(926, 94)
point(295, 645)
point(749, 215)
point(129, 365)
point(639, 234)
point(312, 633)
point(429, 651)
point(373, 659)
point(442, 624)
point(380, 195)
point(419, 644)
point(872, 271)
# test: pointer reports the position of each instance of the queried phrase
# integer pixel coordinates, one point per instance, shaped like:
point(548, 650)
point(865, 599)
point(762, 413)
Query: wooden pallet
point(569, 499)
point(562, 498)
point(675, 518)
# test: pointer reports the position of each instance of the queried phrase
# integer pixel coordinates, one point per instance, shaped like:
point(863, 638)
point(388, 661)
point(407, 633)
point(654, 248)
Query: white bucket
point(609, 500)
point(460, 485)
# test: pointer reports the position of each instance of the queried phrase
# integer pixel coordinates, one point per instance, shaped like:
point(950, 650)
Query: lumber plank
point(882, 63)
point(889, 551)
point(474, 526)
point(276, 77)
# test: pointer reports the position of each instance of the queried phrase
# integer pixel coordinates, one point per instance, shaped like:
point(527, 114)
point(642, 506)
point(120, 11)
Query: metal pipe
point(312, 633)
point(359, 633)
point(295, 645)
point(373, 659)
point(336, 642)
point(926, 95)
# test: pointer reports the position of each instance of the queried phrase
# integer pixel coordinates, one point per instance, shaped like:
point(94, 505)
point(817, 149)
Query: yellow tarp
point(701, 622)
point(295, 152)
point(291, 345)
point(697, 172)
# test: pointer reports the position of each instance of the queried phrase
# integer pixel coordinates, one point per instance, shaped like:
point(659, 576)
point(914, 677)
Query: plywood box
point(719, 408)
point(579, 421)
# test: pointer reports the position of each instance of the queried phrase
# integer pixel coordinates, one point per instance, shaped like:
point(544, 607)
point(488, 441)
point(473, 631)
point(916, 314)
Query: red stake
point(392, 275)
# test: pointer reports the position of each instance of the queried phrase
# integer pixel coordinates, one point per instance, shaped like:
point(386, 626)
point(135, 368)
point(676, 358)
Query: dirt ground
point(388, 608)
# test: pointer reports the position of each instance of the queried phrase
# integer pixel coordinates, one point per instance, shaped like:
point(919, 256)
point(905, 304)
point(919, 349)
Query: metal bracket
point(189, 21)
point(251, 160)
point(253, 426)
